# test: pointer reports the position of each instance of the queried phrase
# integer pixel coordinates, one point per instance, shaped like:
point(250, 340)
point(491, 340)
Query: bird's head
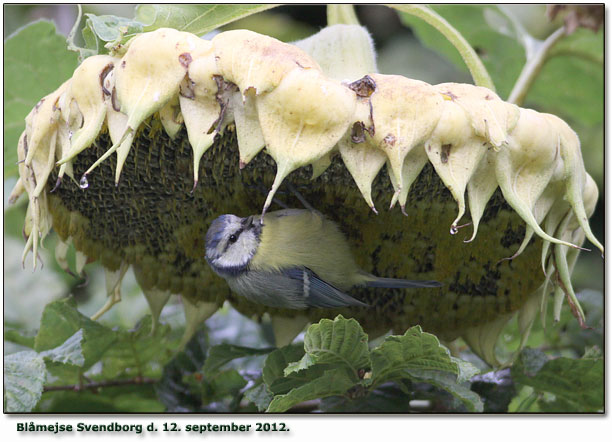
point(231, 243)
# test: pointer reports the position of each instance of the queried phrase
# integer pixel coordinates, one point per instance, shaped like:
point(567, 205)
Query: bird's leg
point(299, 196)
point(264, 191)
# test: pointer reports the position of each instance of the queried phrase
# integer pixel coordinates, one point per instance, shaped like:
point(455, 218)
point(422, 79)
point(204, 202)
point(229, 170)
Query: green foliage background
point(231, 365)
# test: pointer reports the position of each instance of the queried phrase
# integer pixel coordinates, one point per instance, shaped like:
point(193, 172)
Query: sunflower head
point(132, 158)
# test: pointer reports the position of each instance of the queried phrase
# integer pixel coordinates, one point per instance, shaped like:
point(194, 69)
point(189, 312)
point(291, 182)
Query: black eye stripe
point(230, 241)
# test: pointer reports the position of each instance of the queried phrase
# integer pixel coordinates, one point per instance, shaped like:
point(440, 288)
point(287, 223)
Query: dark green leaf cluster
point(337, 361)
point(70, 351)
point(561, 385)
point(194, 382)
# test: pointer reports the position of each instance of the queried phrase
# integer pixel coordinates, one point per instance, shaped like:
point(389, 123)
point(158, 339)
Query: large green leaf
point(17, 338)
point(197, 19)
point(24, 376)
point(110, 28)
point(61, 320)
point(419, 357)
point(104, 30)
point(219, 355)
point(277, 361)
point(138, 398)
point(70, 352)
point(448, 381)
point(388, 398)
point(36, 62)
point(260, 395)
point(223, 384)
point(339, 342)
point(576, 381)
point(274, 370)
point(331, 383)
point(570, 84)
point(415, 350)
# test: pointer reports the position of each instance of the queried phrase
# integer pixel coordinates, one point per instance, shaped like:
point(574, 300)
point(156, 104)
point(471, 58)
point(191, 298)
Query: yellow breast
point(294, 237)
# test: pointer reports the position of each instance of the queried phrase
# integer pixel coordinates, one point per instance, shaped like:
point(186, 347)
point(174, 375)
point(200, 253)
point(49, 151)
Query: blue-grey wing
point(318, 293)
point(293, 288)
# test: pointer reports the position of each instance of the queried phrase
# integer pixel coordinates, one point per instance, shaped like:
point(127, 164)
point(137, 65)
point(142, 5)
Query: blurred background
point(565, 87)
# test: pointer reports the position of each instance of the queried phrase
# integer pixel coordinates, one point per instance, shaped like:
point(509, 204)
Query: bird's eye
point(233, 238)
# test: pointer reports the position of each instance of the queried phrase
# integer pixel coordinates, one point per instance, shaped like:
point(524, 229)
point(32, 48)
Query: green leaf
point(275, 363)
point(524, 402)
point(419, 357)
point(388, 398)
point(197, 19)
point(331, 383)
point(583, 43)
point(93, 45)
point(571, 86)
point(579, 381)
point(36, 63)
point(15, 337)
point(110, 28)
point(260, 395)
point(219, 355)
point(466, 370)
point(226, 383)
point(415, 350)
point(137, 352)
point(448, 382)
point(61, 320)
point(339, 342)
point(24, 376)
point(135, 403)
point(531, 361)
point(70, 352)
point(139, 398)
point(76, 402)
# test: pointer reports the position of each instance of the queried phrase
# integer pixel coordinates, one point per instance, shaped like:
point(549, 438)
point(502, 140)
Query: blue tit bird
point(296, 259)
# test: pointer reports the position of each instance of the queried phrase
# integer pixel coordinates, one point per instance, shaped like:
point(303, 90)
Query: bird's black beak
point(247, 222)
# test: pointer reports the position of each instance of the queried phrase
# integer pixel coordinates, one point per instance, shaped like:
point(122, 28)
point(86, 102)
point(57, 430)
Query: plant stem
point(533, 67)
point(477, 69)
point(341, 14)
point(96, 385)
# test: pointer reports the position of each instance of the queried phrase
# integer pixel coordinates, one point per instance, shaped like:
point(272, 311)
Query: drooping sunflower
point(133, 157)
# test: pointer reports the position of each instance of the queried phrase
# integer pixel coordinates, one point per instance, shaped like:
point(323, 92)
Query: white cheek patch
point(232, 258)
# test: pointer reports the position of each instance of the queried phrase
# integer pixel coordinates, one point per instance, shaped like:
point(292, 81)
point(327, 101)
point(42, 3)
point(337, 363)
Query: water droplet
point(84, 184)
